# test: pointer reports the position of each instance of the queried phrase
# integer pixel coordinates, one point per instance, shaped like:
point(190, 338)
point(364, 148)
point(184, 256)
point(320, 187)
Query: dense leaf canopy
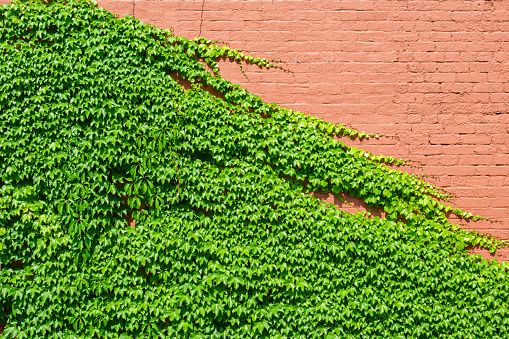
point(228, 242)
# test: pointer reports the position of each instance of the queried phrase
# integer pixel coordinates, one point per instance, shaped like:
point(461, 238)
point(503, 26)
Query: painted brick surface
point(433, 74)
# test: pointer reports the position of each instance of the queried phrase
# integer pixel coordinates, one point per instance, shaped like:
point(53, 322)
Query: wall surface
point(433, 74)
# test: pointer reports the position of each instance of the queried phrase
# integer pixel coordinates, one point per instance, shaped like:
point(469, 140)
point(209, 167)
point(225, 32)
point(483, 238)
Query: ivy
point(96, 132)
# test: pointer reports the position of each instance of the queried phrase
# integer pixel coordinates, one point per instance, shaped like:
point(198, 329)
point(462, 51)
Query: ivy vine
point(227, 241)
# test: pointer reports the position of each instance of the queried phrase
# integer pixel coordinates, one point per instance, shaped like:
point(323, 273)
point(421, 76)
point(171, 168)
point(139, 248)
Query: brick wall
point(434, 74)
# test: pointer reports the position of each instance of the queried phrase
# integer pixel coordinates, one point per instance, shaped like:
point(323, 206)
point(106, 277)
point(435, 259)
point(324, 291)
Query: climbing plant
point(131, 207)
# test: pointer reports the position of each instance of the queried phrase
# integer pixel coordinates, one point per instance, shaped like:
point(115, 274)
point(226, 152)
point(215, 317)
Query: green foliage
point(227, 243)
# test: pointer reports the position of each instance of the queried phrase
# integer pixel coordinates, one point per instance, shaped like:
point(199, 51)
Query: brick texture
point(432, 74)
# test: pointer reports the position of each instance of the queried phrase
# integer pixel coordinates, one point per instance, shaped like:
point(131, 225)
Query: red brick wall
point(434, 74)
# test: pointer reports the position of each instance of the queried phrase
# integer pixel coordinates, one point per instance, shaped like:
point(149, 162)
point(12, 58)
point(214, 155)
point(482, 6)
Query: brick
point(467, 36)
point(441, 77)
point(487, 88)
point(475, 160)
point(469, 203)
point(477, 98)
point(500, 202)
point(461, 119)
point(495, 170)
point(484, 67)
point(499, 97)
point(472, 77)
point(464, 171)
point(483, 149)
point(460, 129)
point(501, 159)
point(490, 128)
point(459, 149)
point(425, 87)
point(444, 139)
point(476, 139)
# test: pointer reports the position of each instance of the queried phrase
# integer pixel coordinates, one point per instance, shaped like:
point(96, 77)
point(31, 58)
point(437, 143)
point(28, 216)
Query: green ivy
point(228, 242)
